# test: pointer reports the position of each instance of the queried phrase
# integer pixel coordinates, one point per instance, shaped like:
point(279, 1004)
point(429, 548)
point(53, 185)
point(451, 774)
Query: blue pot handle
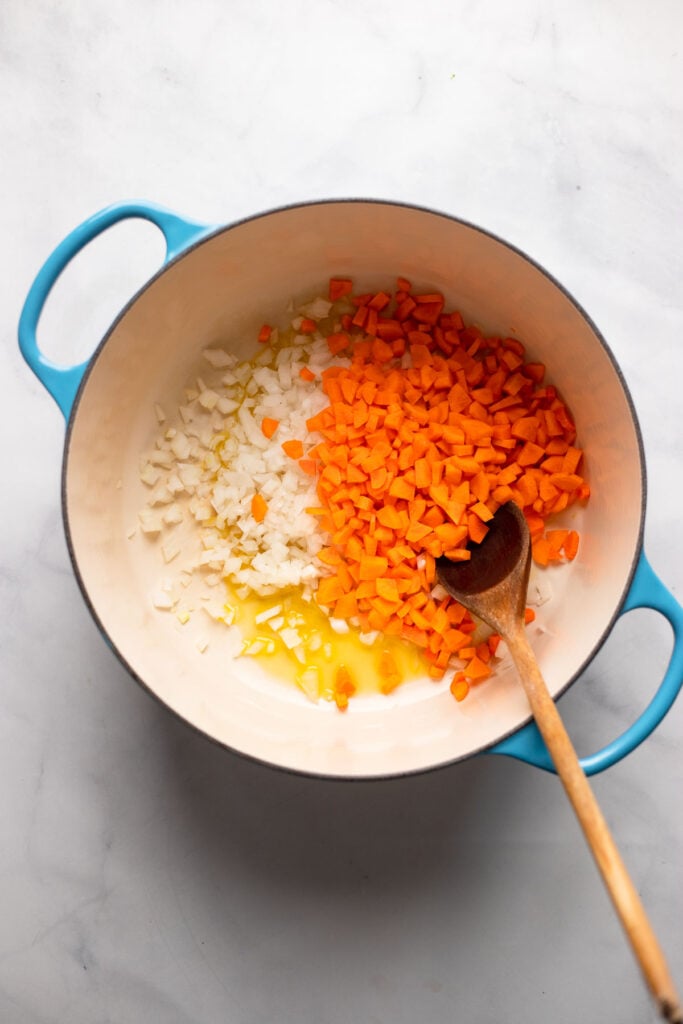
point(647, 591)
point(63, 382)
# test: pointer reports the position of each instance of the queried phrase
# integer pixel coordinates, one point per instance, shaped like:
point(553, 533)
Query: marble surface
point(147, 876)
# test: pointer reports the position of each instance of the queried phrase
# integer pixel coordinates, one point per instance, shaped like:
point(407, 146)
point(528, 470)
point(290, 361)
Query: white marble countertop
point(147, 876)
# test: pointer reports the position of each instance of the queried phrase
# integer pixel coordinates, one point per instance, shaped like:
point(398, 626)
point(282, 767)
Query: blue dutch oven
point(218, 285)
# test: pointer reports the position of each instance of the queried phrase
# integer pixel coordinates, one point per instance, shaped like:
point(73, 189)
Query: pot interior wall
point(221, 292)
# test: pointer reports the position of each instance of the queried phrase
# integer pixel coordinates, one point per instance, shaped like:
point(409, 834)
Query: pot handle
point(646, 591)
point(63, 382)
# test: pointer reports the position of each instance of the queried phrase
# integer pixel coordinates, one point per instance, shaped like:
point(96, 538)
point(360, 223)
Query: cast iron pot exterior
point(217, 286)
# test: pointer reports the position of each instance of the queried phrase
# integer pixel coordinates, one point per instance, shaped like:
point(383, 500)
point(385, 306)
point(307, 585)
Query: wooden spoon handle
point(612, 868)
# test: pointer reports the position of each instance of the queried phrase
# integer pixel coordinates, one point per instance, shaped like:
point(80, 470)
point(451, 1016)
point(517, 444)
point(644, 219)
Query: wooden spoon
point(493, 585)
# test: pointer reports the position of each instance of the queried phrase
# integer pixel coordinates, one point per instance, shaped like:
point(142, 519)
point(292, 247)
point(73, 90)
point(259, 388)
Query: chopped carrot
point(414, 457)
point(540, 550)
point(476, 528)
point(294, 449)
point(390, 676)
point(382, 352)
point(476, 669)
point(329, 590)
point(337, 342)
point(566, 481)
point(360, 316)
point(259, 507)
point(571, 545)
point(346, 607)
point(526, 428)
point(388, 589)
point(372, 566)
point(460, 687)
point(264, 334)
point(269, 426)
point(530, 454)
point(339, 287)
point(379, 301)
point(344, 687)
point(556, 540)
point(343, 682)
point(306, 374)
point(483, 511)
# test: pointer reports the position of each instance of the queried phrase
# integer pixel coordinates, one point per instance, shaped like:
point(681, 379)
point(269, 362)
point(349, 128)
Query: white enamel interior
point(221, 292)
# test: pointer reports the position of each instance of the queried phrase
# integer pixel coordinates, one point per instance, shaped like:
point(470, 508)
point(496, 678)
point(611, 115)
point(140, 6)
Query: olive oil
point(296, 637)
